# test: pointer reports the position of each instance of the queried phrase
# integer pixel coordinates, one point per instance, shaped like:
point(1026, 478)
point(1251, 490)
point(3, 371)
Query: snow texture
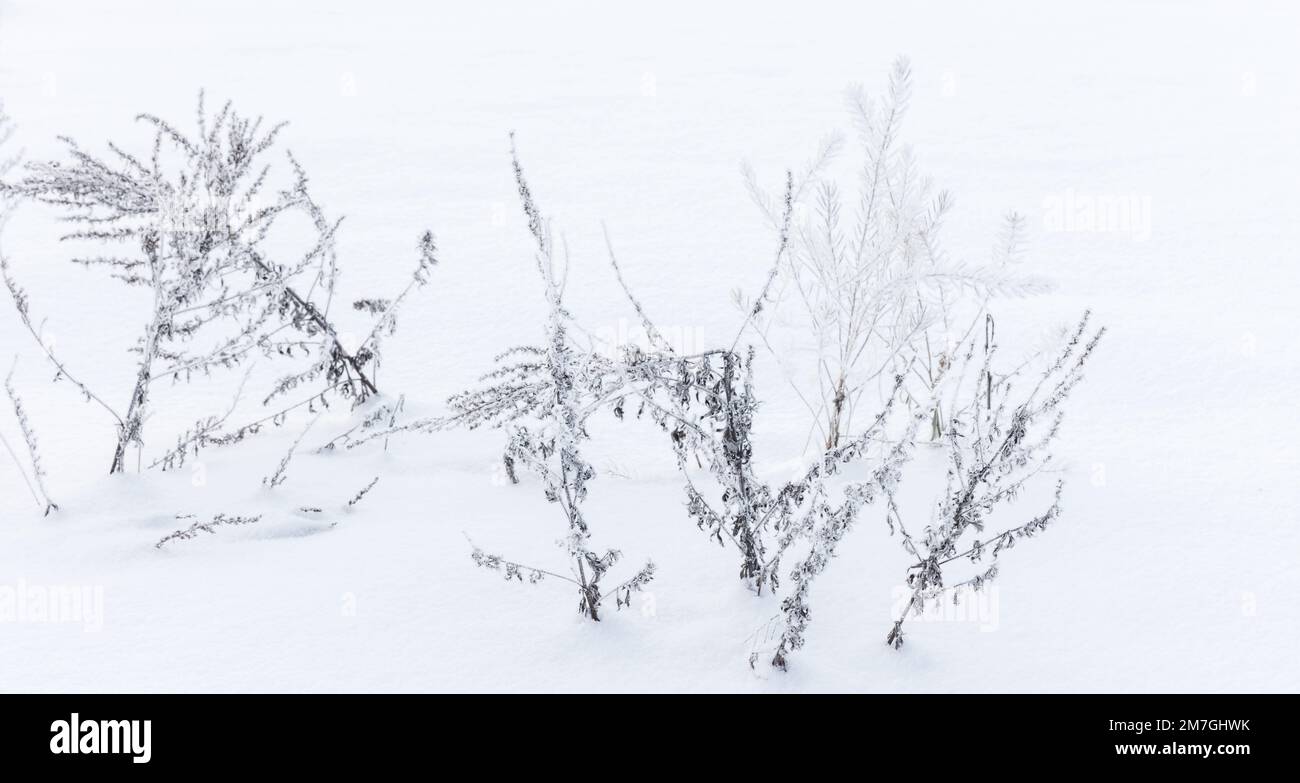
point(1152, 148)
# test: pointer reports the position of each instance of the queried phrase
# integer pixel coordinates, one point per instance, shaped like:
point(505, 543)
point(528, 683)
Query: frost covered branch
point(209, 526)
point(190, 223)
point(825, 524)
point(998, 440)
point(548, 445)
point(37, 483)
point(874, 286)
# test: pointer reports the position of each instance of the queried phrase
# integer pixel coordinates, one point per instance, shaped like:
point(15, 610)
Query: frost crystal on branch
point(361, 493)
point(546, 411)
point(867, 272)
point(200, 526)
point(37, 482)
point(190, 223)
point(999, 438)
point(824, 523)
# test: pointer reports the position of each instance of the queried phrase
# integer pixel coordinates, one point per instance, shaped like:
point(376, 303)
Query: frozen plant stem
point(874, 286)
point(36, 485)
point(210, 526)
point(198, 213)
point(131, 429)
point(548, 445)
point(997, 444)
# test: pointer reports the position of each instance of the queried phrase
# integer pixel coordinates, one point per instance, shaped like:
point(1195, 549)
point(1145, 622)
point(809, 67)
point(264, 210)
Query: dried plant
point(278, 476)
point(548, 444)
point(379, 421)
point(704, 401)
point(36, 483)
point(361, 494)
point(190, 223)
point(347, 507)
point(999, 440)
point(875, 287)
point(823, 524)
point(8, 160)
point(706, 404)
point(201, 526)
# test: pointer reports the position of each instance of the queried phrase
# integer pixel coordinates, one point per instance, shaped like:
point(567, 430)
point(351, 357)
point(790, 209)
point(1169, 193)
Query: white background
point(1175, 565)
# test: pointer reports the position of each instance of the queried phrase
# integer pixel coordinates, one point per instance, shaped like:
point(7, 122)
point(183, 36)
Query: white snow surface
point(1175, 566)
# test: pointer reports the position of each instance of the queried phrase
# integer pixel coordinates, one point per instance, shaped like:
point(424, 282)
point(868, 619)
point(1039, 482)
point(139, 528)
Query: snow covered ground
point(1177, 561)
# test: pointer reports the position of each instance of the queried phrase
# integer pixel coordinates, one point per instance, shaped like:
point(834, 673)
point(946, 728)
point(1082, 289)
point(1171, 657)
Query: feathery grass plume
point(190, 223)
point(999, 438)
point(867, 272)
